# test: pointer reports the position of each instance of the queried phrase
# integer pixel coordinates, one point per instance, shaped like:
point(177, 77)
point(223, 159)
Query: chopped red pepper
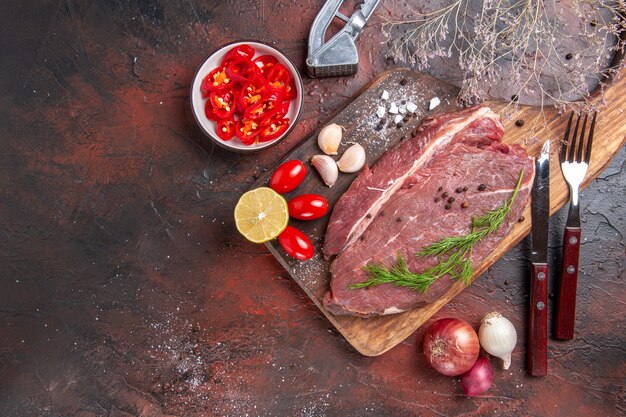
point(223, 103)
point(249, 97)
point(265, 107)
point(208, 111)
point(273, 128)
point(217, 80)
point(291, 90)
point(247, 130)
point(226, 128)
point(250, 94)
point(238, 52)
point(278, 77)
point(265, 63)
point(243, 71)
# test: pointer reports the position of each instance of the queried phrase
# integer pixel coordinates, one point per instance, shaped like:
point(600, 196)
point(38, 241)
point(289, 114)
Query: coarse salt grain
point(398, 118)
point(385, 95)
point(411, 107)
point(393, 109)
point(380, 112)
point(434, 102)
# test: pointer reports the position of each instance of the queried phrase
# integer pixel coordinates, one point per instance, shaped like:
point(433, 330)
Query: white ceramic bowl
point(198, 102)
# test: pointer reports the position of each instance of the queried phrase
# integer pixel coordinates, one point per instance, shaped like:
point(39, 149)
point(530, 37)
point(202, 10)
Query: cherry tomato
point(225, 128)
point(272, 128)
point(247, 130)
point(308, 207)
point(279, 77)
point(296, 244)
point(243, 71)
point(223, 103)
point(237, 53)
point(288, 176)
point(265, 62)
point(217, 80)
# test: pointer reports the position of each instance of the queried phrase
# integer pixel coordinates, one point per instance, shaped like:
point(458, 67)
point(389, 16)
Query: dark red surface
point(125, 290)
point(566, 304)
point(538, 321)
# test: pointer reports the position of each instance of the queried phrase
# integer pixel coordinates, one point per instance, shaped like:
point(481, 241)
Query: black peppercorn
point(464, 204)
point(403, 81)
point(368, 215)
point(399, 219)
point(521, 219)
point(569, 56)
point(459, 190)
point(515, 97)
point(379, 126)
point(448, 207)
point(440, 188)
point(451, 200)
point(399, 125)
point(465, 188)
point(382, 213)
point(482, 187)
point(594, 22)
point(444, 195)
point(437, 199)
point(519, 123)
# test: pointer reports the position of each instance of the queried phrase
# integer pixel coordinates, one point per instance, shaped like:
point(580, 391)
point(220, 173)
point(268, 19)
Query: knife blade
point(540, 212)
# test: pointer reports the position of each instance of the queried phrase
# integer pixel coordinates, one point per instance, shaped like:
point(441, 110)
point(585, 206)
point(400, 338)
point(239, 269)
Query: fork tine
point(563, 153)
point(590, 138)
point(572, 147)
point(581, 141)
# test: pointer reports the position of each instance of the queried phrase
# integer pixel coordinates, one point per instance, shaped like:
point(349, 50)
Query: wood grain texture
point(374, 336)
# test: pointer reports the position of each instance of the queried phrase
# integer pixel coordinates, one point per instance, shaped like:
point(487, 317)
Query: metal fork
point(574, 156)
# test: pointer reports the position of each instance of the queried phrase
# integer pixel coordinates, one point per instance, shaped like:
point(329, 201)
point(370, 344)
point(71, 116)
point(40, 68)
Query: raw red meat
point(450, 151)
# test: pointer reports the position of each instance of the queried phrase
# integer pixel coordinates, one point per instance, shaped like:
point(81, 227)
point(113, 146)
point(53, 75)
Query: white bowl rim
point(238, 146)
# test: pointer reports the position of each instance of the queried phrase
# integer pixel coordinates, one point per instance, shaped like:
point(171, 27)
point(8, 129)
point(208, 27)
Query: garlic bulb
point(352, 159)
point(498, 337)
point(329, 138)
point(327, 168)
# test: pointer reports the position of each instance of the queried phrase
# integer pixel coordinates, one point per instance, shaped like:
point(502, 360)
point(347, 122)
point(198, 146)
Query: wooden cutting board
point(374, 336)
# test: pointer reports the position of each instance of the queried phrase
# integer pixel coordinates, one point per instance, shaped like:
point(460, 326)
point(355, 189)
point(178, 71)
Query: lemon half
point(261, 215)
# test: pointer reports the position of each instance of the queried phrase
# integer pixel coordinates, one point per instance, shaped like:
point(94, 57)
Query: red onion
point(478, 379)
point(451, 346)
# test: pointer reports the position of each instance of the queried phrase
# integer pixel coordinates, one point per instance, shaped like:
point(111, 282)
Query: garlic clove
point(329, 138)
point(352, 159)
point(327, 168)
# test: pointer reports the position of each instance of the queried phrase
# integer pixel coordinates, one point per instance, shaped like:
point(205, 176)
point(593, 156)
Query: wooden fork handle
point(566, 302)
point(538, 324)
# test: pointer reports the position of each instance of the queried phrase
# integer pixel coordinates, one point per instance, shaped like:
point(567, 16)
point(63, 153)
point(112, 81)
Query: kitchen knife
point(540, 211)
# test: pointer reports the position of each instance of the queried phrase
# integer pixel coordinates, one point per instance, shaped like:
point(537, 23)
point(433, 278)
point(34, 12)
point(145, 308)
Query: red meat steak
point(373, 187)
point(409, 219)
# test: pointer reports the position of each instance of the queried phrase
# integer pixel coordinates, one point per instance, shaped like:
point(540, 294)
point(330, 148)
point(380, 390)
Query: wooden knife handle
point(538, 326)
point(566, 303)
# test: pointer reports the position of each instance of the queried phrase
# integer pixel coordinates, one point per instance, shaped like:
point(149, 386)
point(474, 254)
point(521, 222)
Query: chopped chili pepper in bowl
point(247, 96)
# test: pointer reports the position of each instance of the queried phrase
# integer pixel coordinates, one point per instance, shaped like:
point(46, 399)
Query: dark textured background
point(125, 290)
